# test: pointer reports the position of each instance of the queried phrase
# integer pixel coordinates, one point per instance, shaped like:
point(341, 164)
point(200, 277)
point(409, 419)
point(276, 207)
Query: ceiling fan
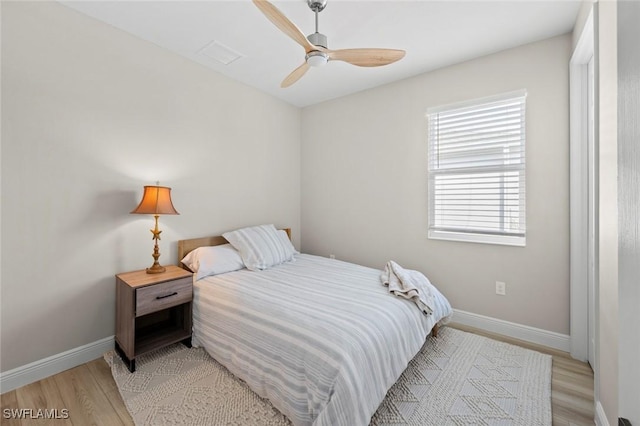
point(315, 45)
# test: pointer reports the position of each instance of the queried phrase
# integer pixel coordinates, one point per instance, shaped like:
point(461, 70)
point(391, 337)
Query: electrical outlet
point(501, 288)
point(332, 256)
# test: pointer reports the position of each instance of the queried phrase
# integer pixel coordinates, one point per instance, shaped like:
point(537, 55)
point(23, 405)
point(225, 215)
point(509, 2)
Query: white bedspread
point(320, 338)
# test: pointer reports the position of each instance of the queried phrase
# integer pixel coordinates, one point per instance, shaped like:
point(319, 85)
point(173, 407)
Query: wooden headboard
point(186, 246)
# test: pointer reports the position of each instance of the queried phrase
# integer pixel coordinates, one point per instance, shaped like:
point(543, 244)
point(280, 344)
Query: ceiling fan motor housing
point(318, 39)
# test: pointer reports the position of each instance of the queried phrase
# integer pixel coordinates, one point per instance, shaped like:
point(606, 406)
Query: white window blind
point(477, 170)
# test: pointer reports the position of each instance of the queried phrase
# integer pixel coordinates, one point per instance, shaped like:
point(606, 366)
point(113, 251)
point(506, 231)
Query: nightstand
point(152, 311)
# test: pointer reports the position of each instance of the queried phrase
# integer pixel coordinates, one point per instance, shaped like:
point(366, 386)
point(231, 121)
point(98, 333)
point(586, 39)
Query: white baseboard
point(518, 331)
point(54, 364)
point(601, 417)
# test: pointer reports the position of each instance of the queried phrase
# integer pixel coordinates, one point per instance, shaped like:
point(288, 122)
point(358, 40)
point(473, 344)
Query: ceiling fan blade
point(295, 75)
point(366, 57)
point(284, 24)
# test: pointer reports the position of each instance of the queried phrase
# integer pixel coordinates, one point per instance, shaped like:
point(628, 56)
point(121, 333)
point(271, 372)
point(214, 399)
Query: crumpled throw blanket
point(410, 284)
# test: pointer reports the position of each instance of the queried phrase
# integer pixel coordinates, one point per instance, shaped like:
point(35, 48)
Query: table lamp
point(156, 200)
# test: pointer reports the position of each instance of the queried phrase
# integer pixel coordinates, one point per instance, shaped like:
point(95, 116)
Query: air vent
point(221, 53)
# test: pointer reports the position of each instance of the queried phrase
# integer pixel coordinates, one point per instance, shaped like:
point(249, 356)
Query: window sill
point(478, 238)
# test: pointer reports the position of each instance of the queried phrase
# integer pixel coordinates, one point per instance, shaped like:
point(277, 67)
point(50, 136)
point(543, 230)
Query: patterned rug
point(457, 378)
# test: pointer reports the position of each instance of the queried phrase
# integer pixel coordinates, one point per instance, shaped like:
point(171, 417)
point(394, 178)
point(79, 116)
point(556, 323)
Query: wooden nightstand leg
point(130, 363)
point(186, 342)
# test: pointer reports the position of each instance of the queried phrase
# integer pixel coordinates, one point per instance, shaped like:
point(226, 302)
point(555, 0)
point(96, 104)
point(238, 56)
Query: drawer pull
point(168, 295)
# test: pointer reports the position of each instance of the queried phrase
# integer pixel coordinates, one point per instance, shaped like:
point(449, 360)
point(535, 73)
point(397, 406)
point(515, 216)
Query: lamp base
point(156, 269)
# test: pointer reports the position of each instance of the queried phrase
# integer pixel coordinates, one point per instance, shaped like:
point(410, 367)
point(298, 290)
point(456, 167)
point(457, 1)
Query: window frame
point(503, 237)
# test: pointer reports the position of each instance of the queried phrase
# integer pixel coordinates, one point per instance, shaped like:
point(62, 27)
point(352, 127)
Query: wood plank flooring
point(91, 397)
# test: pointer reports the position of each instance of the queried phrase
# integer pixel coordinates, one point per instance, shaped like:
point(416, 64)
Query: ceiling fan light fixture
point(317, 58)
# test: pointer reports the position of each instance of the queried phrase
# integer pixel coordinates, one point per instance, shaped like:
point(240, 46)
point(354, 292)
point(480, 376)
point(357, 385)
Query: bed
point(322, 339)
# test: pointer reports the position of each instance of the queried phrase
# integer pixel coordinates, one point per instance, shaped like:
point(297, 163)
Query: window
point(477, 170)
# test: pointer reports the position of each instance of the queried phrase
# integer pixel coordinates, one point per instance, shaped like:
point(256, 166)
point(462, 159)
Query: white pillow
point(261, 247)
point(213, 260)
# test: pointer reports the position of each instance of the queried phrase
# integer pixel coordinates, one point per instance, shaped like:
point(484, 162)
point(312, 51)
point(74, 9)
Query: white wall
point(364, 184)
point(89, 116)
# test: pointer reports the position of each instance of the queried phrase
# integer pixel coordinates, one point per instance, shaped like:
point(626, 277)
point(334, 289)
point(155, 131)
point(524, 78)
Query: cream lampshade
point(156, 200)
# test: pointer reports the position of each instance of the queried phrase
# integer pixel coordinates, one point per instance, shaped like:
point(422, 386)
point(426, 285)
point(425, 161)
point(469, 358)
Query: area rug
point(458, 378)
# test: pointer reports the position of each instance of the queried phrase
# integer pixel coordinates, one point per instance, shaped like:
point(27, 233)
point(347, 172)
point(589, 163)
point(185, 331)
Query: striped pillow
point(261, 247)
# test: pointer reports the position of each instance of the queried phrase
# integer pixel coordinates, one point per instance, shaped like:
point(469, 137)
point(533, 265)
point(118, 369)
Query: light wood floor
point(91, 397)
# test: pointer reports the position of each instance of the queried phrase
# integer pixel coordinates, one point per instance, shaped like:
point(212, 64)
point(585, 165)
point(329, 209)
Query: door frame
point(579, 198)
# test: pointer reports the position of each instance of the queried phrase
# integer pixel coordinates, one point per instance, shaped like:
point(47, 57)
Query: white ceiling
point(434, 34)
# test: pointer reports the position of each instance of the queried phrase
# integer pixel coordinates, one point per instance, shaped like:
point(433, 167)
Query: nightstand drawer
point(161, 296)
